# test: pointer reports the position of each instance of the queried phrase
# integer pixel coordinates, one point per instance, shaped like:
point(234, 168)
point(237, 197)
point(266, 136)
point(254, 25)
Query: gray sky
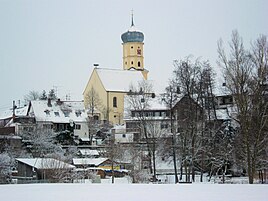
point(46, 43)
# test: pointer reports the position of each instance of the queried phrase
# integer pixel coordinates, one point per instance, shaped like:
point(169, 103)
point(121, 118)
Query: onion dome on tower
point(133, 49)
point(132, 34)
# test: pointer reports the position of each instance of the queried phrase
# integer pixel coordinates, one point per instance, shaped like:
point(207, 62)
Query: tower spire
point(132, 18)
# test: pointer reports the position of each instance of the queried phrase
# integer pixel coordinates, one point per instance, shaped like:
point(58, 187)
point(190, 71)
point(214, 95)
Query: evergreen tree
point(43, 95)
point(52, 94)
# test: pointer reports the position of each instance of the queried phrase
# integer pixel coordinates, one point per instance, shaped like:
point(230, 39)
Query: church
point(107, 87)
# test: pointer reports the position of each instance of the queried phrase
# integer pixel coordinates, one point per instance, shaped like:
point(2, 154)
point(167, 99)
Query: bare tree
point(155, 134)
point(246, 79)
point(94, 106)
point(114, 152)
point(170, 97)
point(92, 101)
point(133, 154)
point(139, 101)
point(187, 75)
point(32, 95)
point(54, 169)
point(193, 80)
point(42, 141)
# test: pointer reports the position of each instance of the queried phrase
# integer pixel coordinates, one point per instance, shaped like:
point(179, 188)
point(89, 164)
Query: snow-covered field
point(133, 192)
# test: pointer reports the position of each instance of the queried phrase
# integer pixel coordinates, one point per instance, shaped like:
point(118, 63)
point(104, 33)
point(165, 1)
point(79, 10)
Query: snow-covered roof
point(89, 161)
point(222, 114)
point(119, 80)
point(58, 112)
point(45, 163)
point(119, 127)
point(89, 152)
point(152, 104)
point(14, 137)
point(226, 113)
point(22, 111)
point(221, 91)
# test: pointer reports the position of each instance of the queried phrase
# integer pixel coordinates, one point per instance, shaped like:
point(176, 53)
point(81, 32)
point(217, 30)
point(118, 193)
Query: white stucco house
point(60, 115)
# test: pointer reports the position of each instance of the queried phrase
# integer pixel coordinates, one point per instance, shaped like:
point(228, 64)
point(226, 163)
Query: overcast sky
point(54, 43)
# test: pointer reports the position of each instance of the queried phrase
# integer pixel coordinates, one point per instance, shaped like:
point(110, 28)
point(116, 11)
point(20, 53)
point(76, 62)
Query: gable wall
point(95, 82)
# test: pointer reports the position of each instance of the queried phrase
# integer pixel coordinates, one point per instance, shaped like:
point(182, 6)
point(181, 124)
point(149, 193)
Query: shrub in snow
point(5, 167)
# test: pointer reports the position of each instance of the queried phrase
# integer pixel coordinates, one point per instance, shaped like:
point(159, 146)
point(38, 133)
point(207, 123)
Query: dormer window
point(57, 114)
point(78, 113)
point(66, 113)
point(47, 112)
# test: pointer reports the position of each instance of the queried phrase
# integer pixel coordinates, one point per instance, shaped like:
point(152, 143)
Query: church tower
point(133, 49)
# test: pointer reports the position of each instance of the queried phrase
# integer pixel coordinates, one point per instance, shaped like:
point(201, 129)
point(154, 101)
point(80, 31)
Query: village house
point(47, 169)
point(60, 116)
point(15, 120)
point(156, 114)
point(12, 122)
point(89, 153)
point(101, 166)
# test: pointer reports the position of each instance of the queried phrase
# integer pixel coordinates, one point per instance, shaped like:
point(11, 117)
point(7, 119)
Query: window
point(164, 126)
point(47, 126)
point(139, 64)
point(61, 127)
point(114, 102)
point(57, 114)
point(131, 62)
point(124, 135)
point(131, 47)
point(126, 63)
point(77, 126)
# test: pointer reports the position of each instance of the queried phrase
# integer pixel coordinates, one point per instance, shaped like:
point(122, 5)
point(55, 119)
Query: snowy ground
point(134, 192)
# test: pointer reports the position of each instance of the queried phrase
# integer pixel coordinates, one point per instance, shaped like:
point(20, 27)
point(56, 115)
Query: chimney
point(14, 108)
point(49, 102)
point(59, 102)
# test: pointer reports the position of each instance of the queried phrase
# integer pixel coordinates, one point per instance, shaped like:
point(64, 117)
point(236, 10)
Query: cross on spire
point(132, 18)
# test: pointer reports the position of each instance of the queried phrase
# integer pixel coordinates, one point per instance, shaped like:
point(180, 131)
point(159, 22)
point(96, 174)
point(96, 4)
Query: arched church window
point(114, 102)
point(139, 64)
point(131, 62)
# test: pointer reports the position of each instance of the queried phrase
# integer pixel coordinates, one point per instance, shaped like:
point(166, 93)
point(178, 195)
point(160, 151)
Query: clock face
point(138, 51)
